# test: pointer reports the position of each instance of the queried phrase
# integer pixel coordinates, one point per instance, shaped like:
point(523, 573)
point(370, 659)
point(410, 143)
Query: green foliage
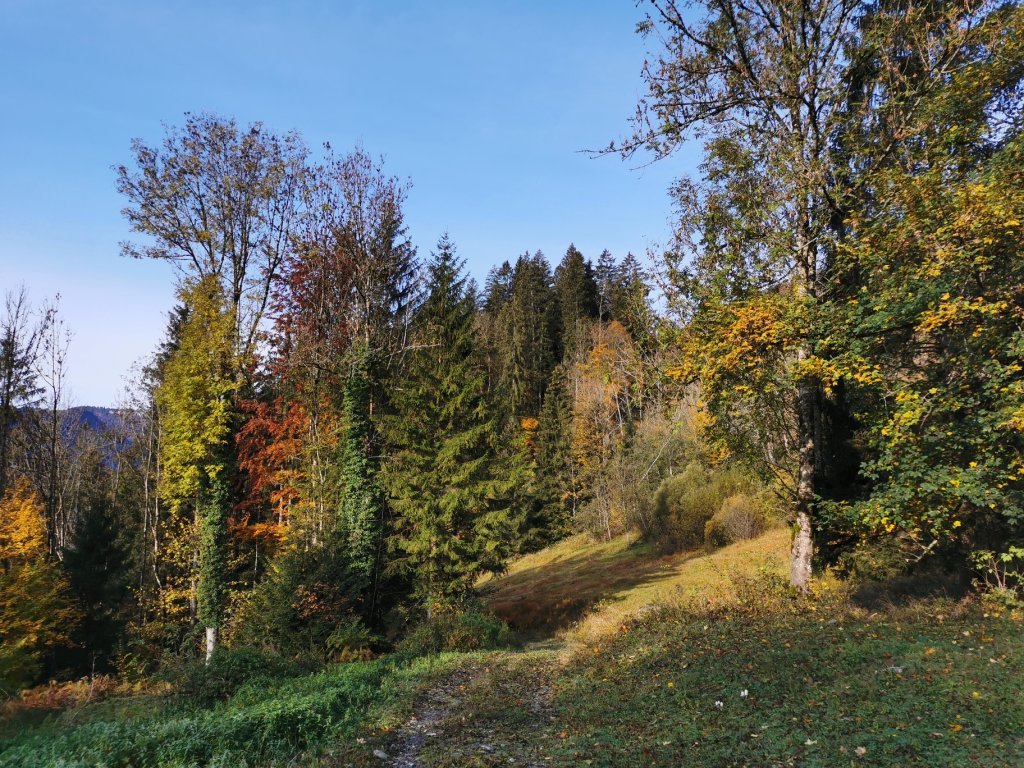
point(97, 562)
point(196, 401)
point(524, 333)
point(306, 598)
point(558, 494)
point(351, 641)
point(266, 721)
point(456, 626)
point(361, 513)
point(945, 455)
point(1001, 573)
point(228, 670)
point(685, 503)
point(576, 291)
point(453, 517)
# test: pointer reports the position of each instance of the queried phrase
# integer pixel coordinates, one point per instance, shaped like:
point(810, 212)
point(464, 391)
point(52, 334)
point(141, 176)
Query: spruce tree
point(448, 493)
point(556, 486)
point(605, 274)
point(577, 294)
point(527, 335)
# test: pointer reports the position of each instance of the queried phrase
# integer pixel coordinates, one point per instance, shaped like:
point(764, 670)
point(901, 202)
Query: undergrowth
point(265, 721)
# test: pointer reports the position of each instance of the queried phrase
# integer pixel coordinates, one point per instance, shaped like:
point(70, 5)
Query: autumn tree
point(769, 88)
point(219, 201)
point(930, 324)
point(196, 401)
point(35, 611)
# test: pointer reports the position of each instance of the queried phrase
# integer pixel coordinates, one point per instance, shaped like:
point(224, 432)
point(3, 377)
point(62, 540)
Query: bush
point(740, 517)
point(351, 641)
point(229, 670)
point(686, 502)
point(457, 627)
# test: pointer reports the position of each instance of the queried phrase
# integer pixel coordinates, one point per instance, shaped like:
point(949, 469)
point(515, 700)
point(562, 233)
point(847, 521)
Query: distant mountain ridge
point(94, 417)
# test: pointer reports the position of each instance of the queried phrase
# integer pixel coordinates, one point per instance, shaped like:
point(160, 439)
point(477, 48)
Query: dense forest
point(341, 431)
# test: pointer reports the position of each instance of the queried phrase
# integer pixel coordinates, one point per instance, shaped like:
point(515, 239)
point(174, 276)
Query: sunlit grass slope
point(583, 588)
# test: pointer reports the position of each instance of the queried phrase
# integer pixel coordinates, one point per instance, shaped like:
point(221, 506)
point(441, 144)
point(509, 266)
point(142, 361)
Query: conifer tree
point(605, 274)
point(577, 294)
point(557, 491)
point(448, 494)
point(629, 302)
point(527, 335)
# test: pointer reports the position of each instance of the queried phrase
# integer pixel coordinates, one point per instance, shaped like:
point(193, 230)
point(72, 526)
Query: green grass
point(935, 684)
point(269, 723)
point(652, 659)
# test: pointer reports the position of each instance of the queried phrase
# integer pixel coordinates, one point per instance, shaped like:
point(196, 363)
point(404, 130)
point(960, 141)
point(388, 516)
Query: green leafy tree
point(452, 518)
point(772, 89)
point(196, 402)
point(932, 319)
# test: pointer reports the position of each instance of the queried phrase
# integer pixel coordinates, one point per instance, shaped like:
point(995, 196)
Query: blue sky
point(483, 106)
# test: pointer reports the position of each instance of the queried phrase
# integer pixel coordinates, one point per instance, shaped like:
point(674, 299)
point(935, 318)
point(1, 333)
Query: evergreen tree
point(361, 506)
point(528, 335)
point(577, 293)
point(557, 489)
point(606, 275)
point(498, 288)
point(629, 300)
point(449, 496)
point(98, 565)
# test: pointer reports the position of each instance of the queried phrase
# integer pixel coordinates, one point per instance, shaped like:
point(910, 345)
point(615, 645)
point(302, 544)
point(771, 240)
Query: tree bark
point(211, 642)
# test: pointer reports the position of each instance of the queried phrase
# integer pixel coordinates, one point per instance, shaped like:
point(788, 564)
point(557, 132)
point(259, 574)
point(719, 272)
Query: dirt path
point(473, 716)
point(438, 704)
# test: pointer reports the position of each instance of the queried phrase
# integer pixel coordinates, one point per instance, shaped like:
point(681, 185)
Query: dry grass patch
point(580, 588)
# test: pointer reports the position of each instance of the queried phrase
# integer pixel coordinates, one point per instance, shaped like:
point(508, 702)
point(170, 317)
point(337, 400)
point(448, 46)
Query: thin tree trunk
point(211, 642)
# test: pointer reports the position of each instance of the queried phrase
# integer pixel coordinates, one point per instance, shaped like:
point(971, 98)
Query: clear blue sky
point(483, 106)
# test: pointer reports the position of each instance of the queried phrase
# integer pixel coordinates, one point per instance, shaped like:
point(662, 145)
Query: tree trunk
point(808, 422)
point(211, 642)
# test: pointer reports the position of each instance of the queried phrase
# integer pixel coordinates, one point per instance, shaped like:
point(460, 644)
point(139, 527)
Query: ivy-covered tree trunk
point(211, 585)
point(361, 506)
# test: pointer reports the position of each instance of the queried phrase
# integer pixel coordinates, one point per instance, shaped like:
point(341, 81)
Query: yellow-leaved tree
point(196, 401)
point(35, 610)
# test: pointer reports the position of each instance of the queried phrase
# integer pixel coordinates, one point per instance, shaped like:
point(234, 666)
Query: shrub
point(351, 641)
point(459, 627)
point(740, 517)
point(229, 670)
point(686, 502)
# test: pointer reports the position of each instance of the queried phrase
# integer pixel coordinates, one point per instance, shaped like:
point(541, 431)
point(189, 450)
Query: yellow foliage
point(35, 612)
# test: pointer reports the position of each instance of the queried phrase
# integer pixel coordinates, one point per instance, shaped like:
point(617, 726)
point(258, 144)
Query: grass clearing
point(582, 589)
point(693, 659)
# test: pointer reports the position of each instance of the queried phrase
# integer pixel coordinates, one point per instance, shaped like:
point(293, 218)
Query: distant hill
point(94, 417)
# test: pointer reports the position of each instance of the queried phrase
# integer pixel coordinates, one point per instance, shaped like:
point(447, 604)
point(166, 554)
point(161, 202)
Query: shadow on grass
point(540, 600)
